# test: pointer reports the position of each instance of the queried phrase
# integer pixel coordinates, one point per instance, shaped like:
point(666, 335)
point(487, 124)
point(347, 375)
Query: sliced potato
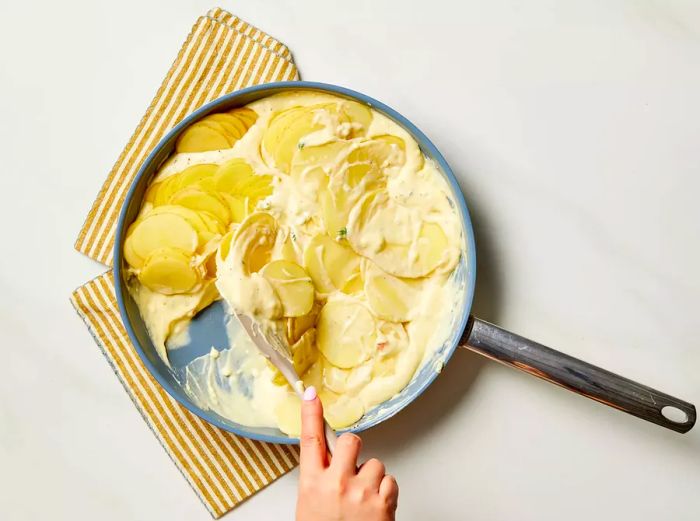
point(199, 200)
point(384, 231)
point(346, 333)
point(215, 125)
point(297, 326)
point(130, 256)
point(330, 263)
point(292, 285)
point(288, 415)
point(359, 114)
point(168, 271)
point(343, 381)
point(340, 411)
point(254, 240)
point(163, 190)
point(231, 174)
point(201, 138)
point(233, 126)
point(304, 352)
point(165, 230)
point(195, 174)
point(282, 137)
point(390, 298)
point(190, 216)
point(245, 115)
point(237, 207)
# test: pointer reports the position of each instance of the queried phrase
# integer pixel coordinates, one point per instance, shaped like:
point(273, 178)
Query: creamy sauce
point(237, 382)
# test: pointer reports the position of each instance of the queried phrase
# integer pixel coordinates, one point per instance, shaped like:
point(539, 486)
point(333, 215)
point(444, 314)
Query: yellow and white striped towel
point(221, 54)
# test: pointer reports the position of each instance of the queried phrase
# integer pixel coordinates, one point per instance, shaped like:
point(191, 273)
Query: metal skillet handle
point(578, 376)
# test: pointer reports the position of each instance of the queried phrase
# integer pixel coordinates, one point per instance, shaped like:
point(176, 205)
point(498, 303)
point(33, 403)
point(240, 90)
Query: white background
point(574, 129)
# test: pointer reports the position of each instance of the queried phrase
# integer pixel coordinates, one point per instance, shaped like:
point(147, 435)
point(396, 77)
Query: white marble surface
point(574, 129)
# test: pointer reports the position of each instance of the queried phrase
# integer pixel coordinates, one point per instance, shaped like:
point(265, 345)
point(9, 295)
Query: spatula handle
point(578, 376)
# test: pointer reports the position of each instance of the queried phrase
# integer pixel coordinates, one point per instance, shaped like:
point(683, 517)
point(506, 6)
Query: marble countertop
point(573, 128)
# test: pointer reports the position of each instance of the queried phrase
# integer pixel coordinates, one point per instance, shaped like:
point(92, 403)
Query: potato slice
point(297, 326)
point(215, 125)
point(292, 285)
point(165, 230)
point(398, 149)
point(384, 231)
point(192, 175)
point(237, 207)
point(164, 190)
point(130, 256)
point(201, 138)
point(284, 133)
point(330, 263)
point(354, 285)
point(245, 115)
point(314, 375)
point(359, 114)
point(254, 240)
point(344, 381)
point(304, 352)
point(288, 415)
point(234, 127)
point(212, 222)
point(325, 157)
point(192, 217)
point(231, 174)
point(390, 298)
point(168, 271)
point(340, 411)
point(198, 200)
point(225, 245)
point(392, 339)
point(346, 333)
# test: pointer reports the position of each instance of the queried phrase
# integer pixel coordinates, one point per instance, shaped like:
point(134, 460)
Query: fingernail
point(310, 393)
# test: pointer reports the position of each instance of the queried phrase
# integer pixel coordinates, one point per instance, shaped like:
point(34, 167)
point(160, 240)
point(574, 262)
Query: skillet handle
point(578, 376)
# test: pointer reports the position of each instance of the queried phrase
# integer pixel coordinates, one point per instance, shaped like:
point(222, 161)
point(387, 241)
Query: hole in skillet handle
point(674, 414)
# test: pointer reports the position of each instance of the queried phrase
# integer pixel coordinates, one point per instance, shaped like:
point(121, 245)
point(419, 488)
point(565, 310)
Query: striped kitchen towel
point(221, 54)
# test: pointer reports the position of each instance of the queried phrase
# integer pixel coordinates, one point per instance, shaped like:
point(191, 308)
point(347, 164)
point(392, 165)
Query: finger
point(347, 449)
point(389, 491)
point(313, 442)
point(372, 472)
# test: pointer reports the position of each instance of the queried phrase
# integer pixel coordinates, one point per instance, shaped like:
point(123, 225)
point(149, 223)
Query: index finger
point(313, 441)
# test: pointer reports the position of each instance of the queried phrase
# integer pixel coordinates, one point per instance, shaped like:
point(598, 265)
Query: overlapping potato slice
point(292, 285)
point(304, 354)
point(237, 178)
point(392, 339)
point(216, 131)
point(201, 138)
point(254, 240)
point(361, 172)
point(360, 115)
point(163, 230)
point(168, 271)
point(238, 209)
point(304, 351)
point(288, 414)
point(297, 326)
point(343, 381)
point(204, 231)
point(281, 139)
point(390, 298)
point(340, 411)
point(330, 263)
point(346, 333)
point(201, 201)
point(397, 239)
point(245, 115)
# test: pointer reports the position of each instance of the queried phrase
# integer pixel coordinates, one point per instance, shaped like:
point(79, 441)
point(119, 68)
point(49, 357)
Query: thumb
point(313, 441)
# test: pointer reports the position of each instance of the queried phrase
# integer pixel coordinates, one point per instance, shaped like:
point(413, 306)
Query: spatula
point(278, 353)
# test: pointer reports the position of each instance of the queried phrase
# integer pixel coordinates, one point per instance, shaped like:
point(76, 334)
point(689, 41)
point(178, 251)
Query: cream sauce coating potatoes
point(322, 219)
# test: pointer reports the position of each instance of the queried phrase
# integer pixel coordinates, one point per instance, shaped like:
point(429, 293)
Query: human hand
point(335, 489)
